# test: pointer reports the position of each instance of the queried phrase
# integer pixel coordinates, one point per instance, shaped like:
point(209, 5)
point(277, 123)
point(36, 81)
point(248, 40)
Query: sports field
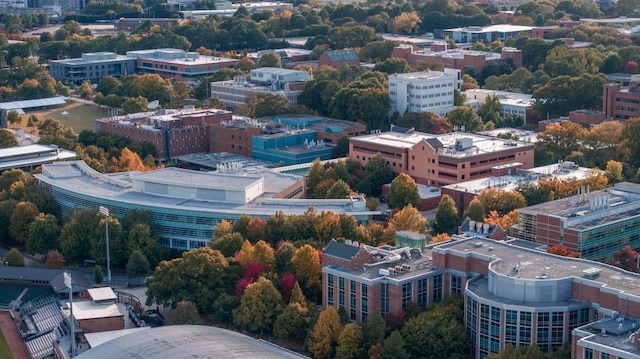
point(11, 344)
point(78, 116)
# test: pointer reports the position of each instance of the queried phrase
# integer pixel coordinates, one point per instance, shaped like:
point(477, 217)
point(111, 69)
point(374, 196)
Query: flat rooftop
point(538, 265)
point(77, 177)
point(521, 176)
point(214, 160)
point(85, 61)
point(32, 155)
point(481, 144)
point(613, 333)
point(520, 134)
point(88, 310)
point(181, 177)
point(492, 28)
point(418, 76)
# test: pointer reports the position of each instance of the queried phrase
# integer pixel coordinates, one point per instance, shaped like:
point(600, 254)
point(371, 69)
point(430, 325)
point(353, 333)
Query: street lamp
point(69, 284)
point(105, 211)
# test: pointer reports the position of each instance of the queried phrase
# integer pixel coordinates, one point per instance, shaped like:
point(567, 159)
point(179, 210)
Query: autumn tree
point(186, 313)
point(257, 230)
point(563, 251)
point(13, 258)
point(626, 258)
point(245, 65)
point(55, 260)
point(406, 23)
point(631, 141)
point(270, 59)
point(264, 104)
point(323, 338)
point(403, 192)
point(245, 255)
point(505, 221)
point(446, 220)
point(43, 235)
point(613, 171)
point(409, 219)
point(349, 342)
point(260, 306)
point(263, 253)
point(440, 237)
point(228, 244)
point(135, 105)
point(13, 118)
point(308, 269)
point(339, 190)
point(560, 139)
point(495, 199)
point(293, 322)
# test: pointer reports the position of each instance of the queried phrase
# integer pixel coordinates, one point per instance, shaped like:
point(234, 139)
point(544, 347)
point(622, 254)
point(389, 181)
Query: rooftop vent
point(591, 273)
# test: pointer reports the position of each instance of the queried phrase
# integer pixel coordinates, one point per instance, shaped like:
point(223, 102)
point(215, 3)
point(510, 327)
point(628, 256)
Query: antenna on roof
point(153, 104)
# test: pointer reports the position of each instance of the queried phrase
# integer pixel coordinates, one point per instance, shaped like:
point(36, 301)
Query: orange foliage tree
point(563, 251)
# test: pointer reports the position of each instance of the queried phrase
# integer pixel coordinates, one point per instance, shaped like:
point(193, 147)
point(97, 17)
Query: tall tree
point(228, 244)
point(323, 338)
point(465, 116)
point(560, 139)
point(339, 190)
point(349, 342)
point(495, 199)
point(394, 347)
point(13, 118)
point(626, 258)
point(446, 220)
point(22, 217)
point(308, 269)
point(260, 306)
point(378, 174)
point(7, 139)
point(403, 192)
point(475, 210)
point(138, 265)
point(293, 322)
point(373, 330)
point(408, 219)
point(197, 276)
point(270, 59)
point(263, 253)
point(55, 260)
point(44, 234)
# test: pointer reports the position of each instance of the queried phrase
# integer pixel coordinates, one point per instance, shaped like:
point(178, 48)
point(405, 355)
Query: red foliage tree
point(254, 270)
point(258, 229)
point(631, 67)
point(286, 284)
point(242, 285)
point(626, 258)
point(563, 251)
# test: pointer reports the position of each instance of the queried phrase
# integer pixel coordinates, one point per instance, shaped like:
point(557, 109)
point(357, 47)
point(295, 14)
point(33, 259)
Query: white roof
point(492, 28)
point(95, 339)
point(27, 104)
point(34, 159)
point(189, 178)
point(103, 293)
point(89, 310)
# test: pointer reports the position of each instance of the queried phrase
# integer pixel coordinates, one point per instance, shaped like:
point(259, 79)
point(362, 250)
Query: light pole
point(69, 284)
point(105, 211)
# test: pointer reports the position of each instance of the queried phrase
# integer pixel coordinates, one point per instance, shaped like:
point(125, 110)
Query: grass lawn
point(4, 347)
point(81, 116)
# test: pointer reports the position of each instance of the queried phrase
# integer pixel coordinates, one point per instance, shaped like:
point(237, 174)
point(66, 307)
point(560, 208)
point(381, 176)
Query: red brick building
point(619, 103)
point(460, 59)
point(337, 58)
point(172, 133)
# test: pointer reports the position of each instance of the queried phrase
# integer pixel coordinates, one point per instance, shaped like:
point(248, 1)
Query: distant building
point(424, 91)
point(179, 65)
point(337, 58)
point(28, 105)
point(287, 55)
point(509, 177)
point(130, 23)
point(621, 103)
point(290, 139)
point(91, 67)
point(30, 156)
point(270, 80)
point(593, 223)
point(439, 160)
point(460, 59)
point(487, 34)
point(512, 103)
point(172, 133)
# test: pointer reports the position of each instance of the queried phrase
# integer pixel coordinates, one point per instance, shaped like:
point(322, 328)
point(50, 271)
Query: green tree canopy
point(44, 234)
point(186, 313)
point(465, 116)
point(7, 139)
point(270, 59)
point(349, 342)
point(403, 192)
point(138, 265)
point(447, 219)
point(13, 258)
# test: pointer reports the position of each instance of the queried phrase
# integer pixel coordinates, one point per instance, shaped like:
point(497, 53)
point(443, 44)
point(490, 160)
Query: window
point(437, 288)
point(423, 286)
point(511, 327)
point(407, 294)
point(341, 292)
point(543, 331)
point(588, 353)
point(384, 299)
point(364, 303)
point(605, 356)
point(330, 289)
point(525, 328)
point(352, 300)
point(456, 285)
point(557, 330)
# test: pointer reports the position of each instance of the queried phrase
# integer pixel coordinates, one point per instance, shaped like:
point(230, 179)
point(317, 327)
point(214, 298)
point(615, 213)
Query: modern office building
point(30, 156)
point(186, 205)
point(438, 160)
point(513, 294)
point(487, 34)
point(461, 59)
point(431, 91)
point(593, 223)
point(509, 177)
point(172, 133)
point(512, 103)
point(264, 80)
point(91, 67)
point(287, 55)
point(178, 64)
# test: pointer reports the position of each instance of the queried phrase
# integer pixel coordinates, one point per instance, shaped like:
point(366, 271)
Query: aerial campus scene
point(320, 179)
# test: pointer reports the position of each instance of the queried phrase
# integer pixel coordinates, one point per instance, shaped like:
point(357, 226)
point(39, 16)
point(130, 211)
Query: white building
point(472, 34)
point(513, 103)
point(273, 80)
point(424, 91)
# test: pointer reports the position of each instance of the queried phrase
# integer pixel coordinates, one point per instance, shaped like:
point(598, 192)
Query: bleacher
point(9, 293)
point(42, 346)
point(37, 291)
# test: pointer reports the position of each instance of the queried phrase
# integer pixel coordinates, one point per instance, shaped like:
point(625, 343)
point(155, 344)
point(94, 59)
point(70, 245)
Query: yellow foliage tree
point(405, 23)
point(441, 237)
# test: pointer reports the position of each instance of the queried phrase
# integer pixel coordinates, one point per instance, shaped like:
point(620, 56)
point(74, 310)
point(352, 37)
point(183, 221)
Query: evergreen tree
point(446, 220)
point(394, 347)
